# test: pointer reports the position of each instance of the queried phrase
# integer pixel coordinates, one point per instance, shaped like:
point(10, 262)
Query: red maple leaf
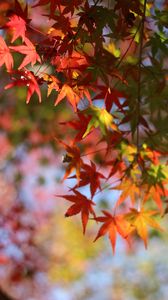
point(30, 51)
point(5, 55)
point(111, 97)
point(62, 23)
point(117, 166)
point(112, 225)
point(89, 175)
point(18, 25)
point(82, 205)
point(26, 78)
point(79, 125)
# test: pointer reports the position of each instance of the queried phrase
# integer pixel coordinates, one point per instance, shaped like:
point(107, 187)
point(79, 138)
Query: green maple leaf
point(100, 118)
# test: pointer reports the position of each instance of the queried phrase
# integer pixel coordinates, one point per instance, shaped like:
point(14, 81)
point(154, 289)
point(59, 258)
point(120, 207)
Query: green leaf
point(100, 118)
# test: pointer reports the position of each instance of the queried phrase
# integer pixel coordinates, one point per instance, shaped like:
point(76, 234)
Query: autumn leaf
point(111, 98)
point(5, 55)
point(129, 190)
point(100, 118)
point(27, 79)
point(30, 51)
point(52, 82)
point(73, 159)
point(80, 125)
point(81, 204)
point(18, 26)
point(128, 151)
point(117, 166)
point(68, 92)
point(155, 193)
point(157, 179)
point(112, 225)
point(89, 175)
point(140, 220)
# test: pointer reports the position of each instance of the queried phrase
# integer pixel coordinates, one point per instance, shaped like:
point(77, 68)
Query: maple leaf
point(112, 225)
point(79, 125)
point(18, 25)
point(155, 193)
point(81, 204)
point(52, 83)
point(117, 167)
point(73, 159)
point(128, 151)
point(89, 175)
point(30, 51)
point(5, 55)
point(129, 190)
point(140, 219)
point(62, 23)
point(100, 118)
point(111, 97)
point(26, 78)
point(68, 92)
point(157, 178)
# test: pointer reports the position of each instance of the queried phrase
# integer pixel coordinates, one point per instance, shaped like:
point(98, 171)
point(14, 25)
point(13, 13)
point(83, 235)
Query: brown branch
point(139, 96)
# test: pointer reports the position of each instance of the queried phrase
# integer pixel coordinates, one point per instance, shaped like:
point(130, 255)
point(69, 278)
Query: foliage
point(107, 59)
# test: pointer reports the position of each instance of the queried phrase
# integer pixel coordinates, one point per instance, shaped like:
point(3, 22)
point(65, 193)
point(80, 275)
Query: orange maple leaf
point(155, 192)
point(52, 83)
point(68, 92)
point(139, 220)
point(73, 159)
point(112, 225)
point(129, 190)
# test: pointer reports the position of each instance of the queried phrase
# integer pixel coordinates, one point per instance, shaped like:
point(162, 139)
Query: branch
point(140, 73)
